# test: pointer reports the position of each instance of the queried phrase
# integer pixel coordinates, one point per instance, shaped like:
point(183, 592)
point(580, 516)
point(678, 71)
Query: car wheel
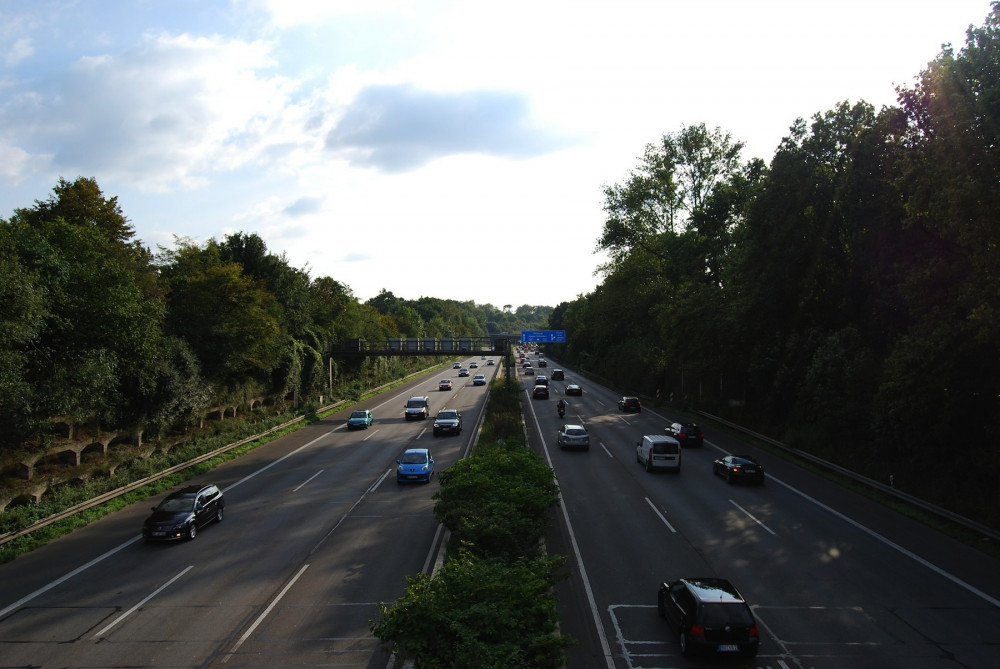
point(649, 464)
point(192, 531)
point(660, 608)
point(729, 477)
point(685, 646)
point(218, 514)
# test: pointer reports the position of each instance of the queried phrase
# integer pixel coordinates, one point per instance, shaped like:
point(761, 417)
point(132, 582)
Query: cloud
point(21, 49)
point(399, 128)
point(303, 206)
point(162, 114)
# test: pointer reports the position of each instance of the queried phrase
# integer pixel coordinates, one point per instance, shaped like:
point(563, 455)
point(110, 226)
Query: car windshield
point(720, 615)
point(176, 505)
point(413, 458)
point(448, 415)
point(413, 404)
point(358, 414)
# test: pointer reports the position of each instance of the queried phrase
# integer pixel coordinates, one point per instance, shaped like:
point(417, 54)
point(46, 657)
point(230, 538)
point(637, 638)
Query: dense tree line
point(97, 330)
point(845, 297)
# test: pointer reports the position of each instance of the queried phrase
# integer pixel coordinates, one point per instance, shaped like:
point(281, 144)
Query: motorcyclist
point(561, 406)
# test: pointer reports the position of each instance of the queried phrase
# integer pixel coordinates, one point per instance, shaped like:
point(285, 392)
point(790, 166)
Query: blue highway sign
point(543, 336)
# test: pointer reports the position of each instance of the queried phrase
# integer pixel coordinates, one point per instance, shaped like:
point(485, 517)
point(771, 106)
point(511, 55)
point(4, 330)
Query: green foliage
point(846, 295)
point(477, 614)
point(494, 502)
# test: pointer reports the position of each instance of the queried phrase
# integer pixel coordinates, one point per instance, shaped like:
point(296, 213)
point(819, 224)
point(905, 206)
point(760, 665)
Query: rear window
point(720, 615)
point(664, 447)
point(576, 432)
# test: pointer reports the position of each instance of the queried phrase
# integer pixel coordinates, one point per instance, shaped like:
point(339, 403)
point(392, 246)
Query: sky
point(455, 149)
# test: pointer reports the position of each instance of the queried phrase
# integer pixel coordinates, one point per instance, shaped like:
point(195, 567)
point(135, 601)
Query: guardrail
point(111, 494)
point(871, 483)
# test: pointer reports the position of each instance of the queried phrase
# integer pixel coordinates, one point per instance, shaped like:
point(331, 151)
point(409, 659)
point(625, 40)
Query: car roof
point(660, 437)
point(569, 426)
point(711, 589)
point(189, 491)
point(417, 450)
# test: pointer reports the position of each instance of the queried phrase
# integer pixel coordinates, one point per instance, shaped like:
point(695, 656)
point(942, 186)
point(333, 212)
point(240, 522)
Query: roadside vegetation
point(843, 299)
point(491, 604)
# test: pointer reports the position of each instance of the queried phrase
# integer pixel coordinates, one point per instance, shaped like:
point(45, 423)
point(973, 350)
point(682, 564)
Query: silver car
point(573, 436)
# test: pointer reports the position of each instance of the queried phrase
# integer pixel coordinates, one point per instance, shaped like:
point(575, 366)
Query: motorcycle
point(561, 410)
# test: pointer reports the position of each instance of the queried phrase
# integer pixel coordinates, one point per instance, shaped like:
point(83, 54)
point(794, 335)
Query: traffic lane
point(115, 570)
point(323, 617)
point(729, 540)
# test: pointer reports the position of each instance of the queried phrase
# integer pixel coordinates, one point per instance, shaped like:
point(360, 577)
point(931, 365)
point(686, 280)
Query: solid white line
point(657, 512)
point(136, 607)
point(594, 612)
point(751, 516)
point(264, 614)
point(610, 455)
point(872, 533)
point(307, 480)
point(66, 577)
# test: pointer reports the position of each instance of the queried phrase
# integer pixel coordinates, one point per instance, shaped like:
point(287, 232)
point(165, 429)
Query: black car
point(739, 468)
point(540, 392)
point(181, 514)
point(688, 434)
point(573, 389)
point(558, 375)
point(708, 615)
point(448, 421)
point(630, 404)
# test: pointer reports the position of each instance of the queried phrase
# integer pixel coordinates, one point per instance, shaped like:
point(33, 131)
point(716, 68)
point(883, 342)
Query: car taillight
point(753, 631)
point(697, 630)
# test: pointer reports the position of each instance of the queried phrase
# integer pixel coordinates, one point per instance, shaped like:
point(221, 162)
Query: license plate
point(411, 476)
point(158, 534)
point(728, 648)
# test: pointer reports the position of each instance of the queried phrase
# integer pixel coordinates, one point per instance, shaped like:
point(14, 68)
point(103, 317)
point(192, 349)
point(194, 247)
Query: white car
point(573, 436)
point(658, 451)
point(479, 380)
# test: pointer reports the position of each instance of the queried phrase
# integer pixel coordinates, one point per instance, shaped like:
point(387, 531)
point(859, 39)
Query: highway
point(316, 533)
point(833, 579)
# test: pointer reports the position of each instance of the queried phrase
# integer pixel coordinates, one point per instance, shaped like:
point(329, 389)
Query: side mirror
point(398, 462)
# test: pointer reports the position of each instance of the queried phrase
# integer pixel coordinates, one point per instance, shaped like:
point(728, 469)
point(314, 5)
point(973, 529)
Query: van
point(417, 407)
point(658, 451)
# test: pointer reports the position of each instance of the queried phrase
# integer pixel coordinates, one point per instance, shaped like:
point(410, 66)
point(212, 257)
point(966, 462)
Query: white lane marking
point(872, 533)
point(304, 483)
point(66, 577)
point(606, 450)
point(369, 436)
point(751, 516)
point(591, 600)
point(264, 614)
point(137, 606)
point(657, 512)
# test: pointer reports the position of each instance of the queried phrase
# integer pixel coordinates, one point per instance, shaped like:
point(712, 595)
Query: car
point(445, 384)
point(542, 363)
point(482, 357)
point(448, 421)
point(463, 372)
point(541, 380)
point(457, 365)
point(630, 403)
point(709, 615)
point(490, 362)
point(473, 365)
point(479, 380)
point(573, 436)
point(736, 468)
point(526, 364)
point(529, 371)
point(417, 408)
point(415, 465)
point(573, 389)
point(182, 513)
point(558, 375)
point(658, 451)
point(540, 393)
point(688, 434)
point(360, 419)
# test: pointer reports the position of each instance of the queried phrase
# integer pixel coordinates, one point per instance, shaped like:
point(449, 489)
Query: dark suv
point(182, 513)
point(688, 434)
point(629, 403)
point(709, 615)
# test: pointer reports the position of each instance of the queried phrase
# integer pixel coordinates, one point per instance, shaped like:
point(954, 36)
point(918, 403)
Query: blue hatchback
point(416, 465)
point(360, 419)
